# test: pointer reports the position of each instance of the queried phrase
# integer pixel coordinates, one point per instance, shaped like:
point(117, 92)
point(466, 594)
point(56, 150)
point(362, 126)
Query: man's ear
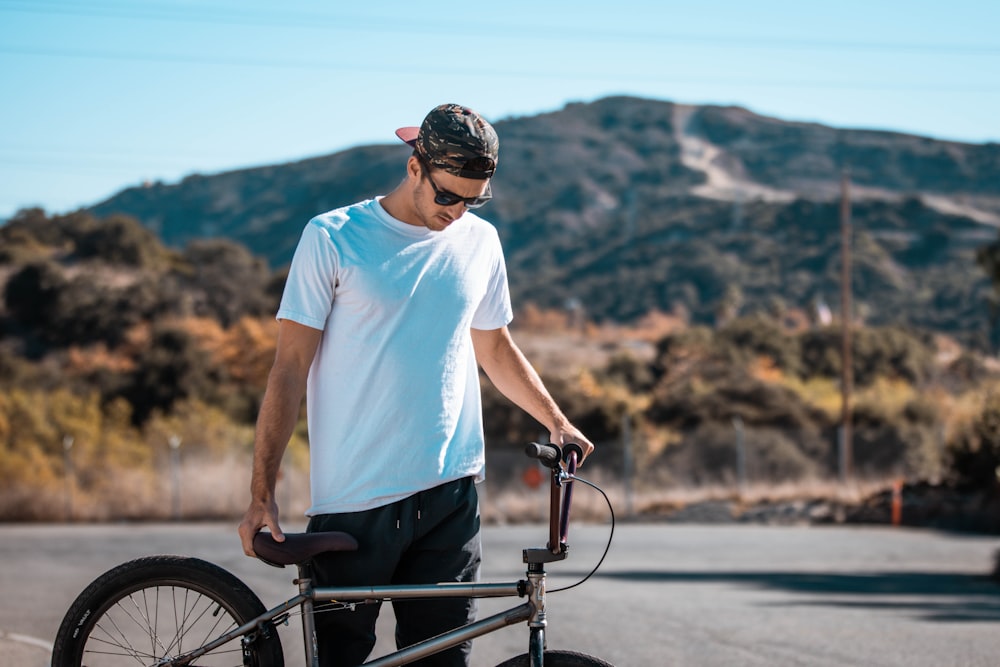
point(413, 168)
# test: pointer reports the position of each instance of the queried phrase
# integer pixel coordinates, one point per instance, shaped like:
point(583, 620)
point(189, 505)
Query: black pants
point(428, 538)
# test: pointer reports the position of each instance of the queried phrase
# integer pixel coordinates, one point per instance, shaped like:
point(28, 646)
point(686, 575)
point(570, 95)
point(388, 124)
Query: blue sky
point(99, 96)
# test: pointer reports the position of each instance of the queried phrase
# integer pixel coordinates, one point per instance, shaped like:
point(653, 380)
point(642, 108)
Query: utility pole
point(846, 444)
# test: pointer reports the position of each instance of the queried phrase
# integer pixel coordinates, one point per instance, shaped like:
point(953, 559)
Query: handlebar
point(550, 455)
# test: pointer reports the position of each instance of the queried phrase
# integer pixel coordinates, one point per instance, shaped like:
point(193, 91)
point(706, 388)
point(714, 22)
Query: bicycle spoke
point(191, 612)
point(187, 622)
point(119, 637)
point(126, 649)
point(149, 626)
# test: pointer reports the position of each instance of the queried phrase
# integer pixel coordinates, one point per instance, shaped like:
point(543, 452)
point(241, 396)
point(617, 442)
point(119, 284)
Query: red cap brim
point(408, 134)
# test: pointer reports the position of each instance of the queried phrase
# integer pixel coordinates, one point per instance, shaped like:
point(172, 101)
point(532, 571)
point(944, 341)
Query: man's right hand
point(279, 412)
point(259, 515)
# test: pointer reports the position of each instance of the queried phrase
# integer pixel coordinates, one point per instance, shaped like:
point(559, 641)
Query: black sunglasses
point(446, 198)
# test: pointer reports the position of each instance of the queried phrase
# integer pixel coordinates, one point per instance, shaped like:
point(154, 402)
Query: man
point(389, 305)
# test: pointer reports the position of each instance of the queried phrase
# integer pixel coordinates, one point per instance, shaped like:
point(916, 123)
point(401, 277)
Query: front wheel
point(150, 610)
point(559, 659)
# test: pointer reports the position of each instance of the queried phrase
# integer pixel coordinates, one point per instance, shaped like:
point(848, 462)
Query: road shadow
point(937, 596)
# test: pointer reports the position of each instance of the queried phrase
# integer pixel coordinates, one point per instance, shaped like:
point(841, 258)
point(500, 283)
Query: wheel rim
point(149, 625)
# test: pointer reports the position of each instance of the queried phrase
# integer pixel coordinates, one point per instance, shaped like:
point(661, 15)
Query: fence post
point(628, 464)
point(897, 502)
point(175, 476)
point(69, 472)
point(741, 455)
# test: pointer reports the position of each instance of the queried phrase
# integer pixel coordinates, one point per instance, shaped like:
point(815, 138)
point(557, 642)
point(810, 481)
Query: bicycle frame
point(524, 612)
point(308, 595)
point(532, 611)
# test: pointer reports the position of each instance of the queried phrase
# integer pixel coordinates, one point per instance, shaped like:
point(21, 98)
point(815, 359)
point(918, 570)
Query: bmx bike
point(172, 610)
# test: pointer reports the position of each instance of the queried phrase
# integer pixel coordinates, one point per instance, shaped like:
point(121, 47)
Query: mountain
point(627, 205)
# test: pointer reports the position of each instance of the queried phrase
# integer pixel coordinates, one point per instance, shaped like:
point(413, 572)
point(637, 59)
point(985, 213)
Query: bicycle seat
point(300, 547)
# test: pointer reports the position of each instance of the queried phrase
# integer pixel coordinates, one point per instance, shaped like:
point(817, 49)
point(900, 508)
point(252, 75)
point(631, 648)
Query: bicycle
point(173, 610)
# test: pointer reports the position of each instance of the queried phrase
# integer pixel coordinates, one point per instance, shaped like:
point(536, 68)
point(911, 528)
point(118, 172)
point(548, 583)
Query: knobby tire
point(559, 659)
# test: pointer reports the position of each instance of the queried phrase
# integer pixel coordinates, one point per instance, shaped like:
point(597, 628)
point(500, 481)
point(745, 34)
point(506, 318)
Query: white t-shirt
point(393, 396)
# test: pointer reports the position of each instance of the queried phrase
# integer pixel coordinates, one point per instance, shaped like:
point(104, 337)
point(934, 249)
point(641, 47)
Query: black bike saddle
point(300, 547)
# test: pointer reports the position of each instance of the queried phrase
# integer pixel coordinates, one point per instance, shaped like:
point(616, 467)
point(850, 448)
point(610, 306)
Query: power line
point(204, 13)
point(87, 161)
point(410, 70)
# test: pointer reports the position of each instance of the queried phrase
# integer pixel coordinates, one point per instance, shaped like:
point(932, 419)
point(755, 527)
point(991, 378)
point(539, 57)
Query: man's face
point(435, 183)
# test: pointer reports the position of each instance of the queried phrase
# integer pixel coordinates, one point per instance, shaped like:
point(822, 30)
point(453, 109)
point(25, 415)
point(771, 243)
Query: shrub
point(227, 282)
point(975, 451)
point(120, 240)
point(32, 295)
point(749, 337)
point(709, 454)
point(876, 352)
point(172, 368)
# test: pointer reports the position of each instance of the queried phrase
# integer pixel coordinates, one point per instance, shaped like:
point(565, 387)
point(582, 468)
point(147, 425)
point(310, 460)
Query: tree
point(119, 240)
point(172, 368)
point(975, 453)
point(230, 281)
point(32, 294)
point(988, 258)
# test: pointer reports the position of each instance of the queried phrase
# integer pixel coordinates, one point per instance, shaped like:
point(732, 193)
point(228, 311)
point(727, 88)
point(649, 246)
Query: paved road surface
point(667, 595)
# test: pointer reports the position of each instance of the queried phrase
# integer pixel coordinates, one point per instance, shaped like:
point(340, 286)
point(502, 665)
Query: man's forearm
point(513, 375)
point(279, 412)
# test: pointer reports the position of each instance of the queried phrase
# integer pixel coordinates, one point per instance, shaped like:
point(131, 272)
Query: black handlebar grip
point(549, 455)
point(572, 447)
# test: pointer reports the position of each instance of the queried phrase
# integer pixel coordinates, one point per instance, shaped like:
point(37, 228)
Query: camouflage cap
point(456, 139)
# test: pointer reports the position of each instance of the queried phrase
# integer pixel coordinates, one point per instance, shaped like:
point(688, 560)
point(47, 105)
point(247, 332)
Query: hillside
point(115, 349)
point(628, 224)
point(630, 205)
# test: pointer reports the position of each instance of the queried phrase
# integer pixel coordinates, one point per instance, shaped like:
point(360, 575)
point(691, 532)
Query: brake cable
point(611, 534)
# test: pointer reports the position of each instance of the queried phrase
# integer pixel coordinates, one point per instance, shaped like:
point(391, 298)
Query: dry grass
point(218, 488)
point(515, 503)
point(657, 502)
point(201, 489)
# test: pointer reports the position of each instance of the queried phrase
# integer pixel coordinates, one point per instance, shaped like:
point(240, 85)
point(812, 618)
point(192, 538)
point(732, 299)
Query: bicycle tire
point(149, 609)
point(559, 659)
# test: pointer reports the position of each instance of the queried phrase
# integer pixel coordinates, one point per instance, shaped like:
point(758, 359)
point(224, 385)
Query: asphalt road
point(667, 594)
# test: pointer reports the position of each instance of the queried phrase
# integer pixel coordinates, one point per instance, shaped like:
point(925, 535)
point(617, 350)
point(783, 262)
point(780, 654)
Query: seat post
point(304, 582)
